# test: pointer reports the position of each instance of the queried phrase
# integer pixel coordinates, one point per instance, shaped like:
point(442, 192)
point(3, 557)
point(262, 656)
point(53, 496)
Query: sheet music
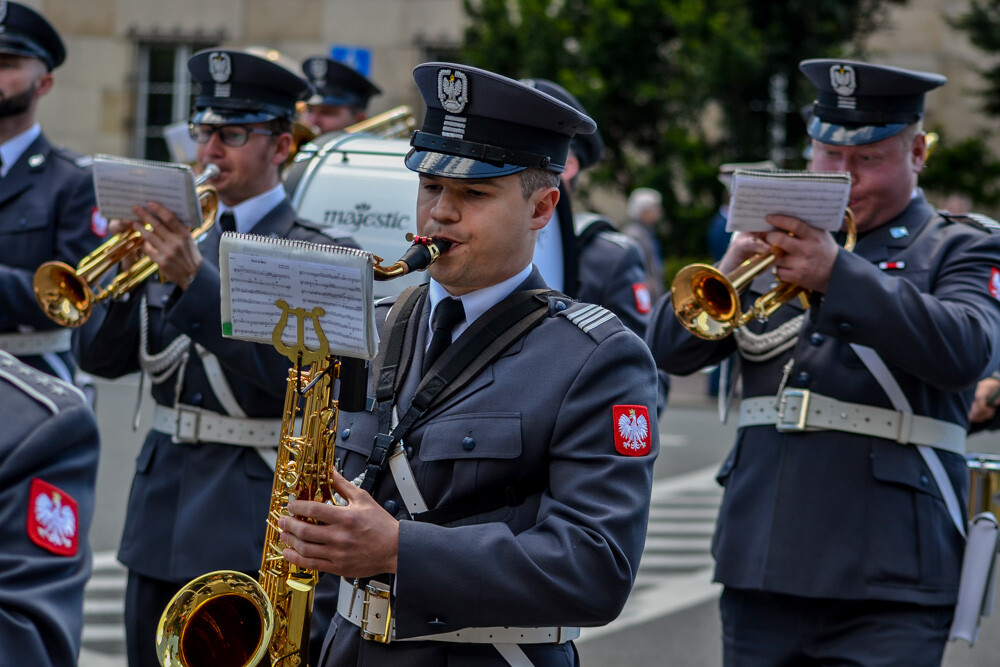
point(258, 271)
point(121, 183)
point(817, 198)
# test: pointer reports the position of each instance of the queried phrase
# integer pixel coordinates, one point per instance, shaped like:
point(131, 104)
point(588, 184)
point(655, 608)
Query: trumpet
point(227, 617)
point(68, 295)
point(707, 301)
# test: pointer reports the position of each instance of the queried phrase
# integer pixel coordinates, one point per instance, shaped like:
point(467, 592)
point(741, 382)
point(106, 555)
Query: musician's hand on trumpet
point(168, 242)
point(742, 246)
point(985, 403)
point(806, 256)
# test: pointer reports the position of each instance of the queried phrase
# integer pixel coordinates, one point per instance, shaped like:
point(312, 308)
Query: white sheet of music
point(121, 183)
point(817, 198)
point(256, 272)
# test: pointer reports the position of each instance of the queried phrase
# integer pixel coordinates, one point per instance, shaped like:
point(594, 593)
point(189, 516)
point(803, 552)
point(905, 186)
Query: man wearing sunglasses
point(203, 478)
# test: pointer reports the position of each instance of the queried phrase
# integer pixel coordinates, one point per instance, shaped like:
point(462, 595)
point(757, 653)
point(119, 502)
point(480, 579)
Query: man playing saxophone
point(841, 532)
point(514, 489)
point(202, 483)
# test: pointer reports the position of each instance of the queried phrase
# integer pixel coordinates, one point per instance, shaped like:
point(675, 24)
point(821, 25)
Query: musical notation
point(817, 198)
point(257, 271)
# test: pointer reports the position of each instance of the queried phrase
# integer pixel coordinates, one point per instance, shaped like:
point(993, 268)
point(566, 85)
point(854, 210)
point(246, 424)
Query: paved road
point(671, 617)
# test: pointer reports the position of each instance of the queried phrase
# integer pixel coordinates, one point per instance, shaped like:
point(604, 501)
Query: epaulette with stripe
point(979, 220)
point(591, 318)
point(50, 392)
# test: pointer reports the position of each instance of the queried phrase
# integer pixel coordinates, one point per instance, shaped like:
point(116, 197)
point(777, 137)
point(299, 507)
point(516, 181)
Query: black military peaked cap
point(858, 103)
point(238, 87)
point(482, 125)
point(589, 148)
point(25, 32)
point(337, 84)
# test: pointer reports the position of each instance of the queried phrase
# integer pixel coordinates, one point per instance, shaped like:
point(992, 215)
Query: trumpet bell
point(220, 619)
point(62, 294)
point(705, 301)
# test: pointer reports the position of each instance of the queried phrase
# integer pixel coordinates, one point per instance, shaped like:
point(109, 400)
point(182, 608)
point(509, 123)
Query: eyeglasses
point(233, 136)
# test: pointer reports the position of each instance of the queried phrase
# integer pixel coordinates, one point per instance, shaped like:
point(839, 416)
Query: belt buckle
point(186, 426)
point(380, 591)
point(785, 424)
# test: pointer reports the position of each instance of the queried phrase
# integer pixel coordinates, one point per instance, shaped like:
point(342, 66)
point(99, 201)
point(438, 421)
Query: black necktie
point(227, 221)
point(448, 313)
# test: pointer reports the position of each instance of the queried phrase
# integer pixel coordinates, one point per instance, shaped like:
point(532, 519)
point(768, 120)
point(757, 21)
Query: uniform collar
point(12, 149)
point(478, 302)
point(900, 231)
point(250, 212)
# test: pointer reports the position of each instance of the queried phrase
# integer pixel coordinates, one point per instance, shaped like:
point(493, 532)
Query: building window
point(164, 93)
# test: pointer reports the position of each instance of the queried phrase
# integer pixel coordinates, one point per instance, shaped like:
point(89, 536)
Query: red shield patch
point(632, 432)
point(98, 223)
point(52, 519)
point(995, 283)
point(643, 302)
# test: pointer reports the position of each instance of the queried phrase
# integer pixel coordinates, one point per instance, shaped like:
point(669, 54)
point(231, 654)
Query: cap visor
point(453, 166)
point(230, 117)
point(845, 135)
point(333, 101)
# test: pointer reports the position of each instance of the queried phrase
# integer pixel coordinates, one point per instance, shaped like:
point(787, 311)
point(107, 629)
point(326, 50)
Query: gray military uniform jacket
point(196, 507)
point(46, 209)
point(48, 469)
point(567, 555)
point(829, 514)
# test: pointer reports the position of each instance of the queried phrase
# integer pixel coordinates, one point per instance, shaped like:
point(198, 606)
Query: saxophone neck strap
point(478, 346)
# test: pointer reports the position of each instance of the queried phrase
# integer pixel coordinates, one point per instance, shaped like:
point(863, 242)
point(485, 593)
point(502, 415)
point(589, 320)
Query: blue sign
point(355, 57)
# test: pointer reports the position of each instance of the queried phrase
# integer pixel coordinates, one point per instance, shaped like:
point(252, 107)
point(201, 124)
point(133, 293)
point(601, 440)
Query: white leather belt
point(36, 342)
point(190, 424)
point(368, 608)
point(803, 410)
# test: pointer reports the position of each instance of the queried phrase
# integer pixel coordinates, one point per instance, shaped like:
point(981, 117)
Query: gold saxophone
point(226, 618)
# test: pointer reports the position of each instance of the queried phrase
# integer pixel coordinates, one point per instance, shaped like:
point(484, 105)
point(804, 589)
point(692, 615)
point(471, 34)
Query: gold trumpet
point(227, 618)
point(67, 295)
point(707, 301)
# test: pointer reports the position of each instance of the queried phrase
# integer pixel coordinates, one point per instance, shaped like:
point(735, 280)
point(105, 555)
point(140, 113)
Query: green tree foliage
point(982, 24)
point(677, 87)
point(967, 167)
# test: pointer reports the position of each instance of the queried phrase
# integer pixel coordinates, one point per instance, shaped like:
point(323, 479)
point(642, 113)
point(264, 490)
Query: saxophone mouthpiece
point(425, 251)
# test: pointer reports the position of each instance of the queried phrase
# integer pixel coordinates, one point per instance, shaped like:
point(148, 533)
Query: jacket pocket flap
point(491, 435)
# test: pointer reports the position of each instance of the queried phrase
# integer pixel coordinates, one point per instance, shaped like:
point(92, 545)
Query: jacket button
point(391, 506)
point(924, 481)
point(345, 434)
point(560, 306)
point(845, 327)
point(195, 327)
point(197, 398)
point(436, 623)
point(468, 443)
point(803, 379)
point(817, 339)
point(409, 452)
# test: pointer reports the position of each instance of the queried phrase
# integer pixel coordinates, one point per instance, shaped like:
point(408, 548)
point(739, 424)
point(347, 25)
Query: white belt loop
point(905, 427)
point(30, 343)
